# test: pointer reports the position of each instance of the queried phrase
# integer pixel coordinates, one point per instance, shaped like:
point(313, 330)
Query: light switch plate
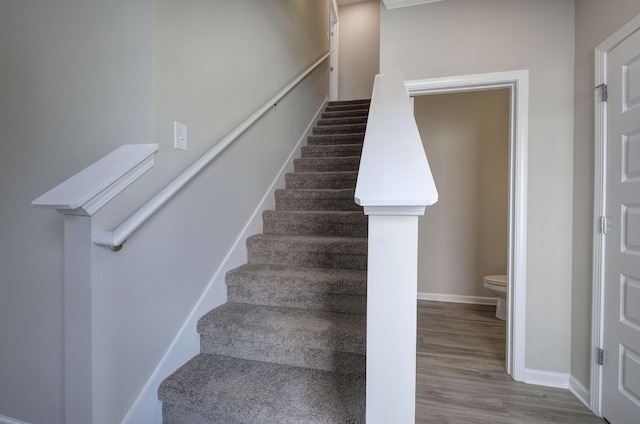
point(179, 135)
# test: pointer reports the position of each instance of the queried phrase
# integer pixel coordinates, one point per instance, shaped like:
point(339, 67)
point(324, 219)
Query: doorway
point(464, 236)
point(517, 83)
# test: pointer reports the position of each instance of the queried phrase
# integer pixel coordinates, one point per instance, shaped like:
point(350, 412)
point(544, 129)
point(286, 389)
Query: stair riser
point(315, 229)
point(260, 294)
point(316, 204)
point(304, 227)
point(346, 164)
point(345, 113)
point(331, 151)
point(312, 180)
point(335, 139)
point(337, 282)
point(340, 129)
point(176, 413)
point(221, 343)
point(343, 120)
point(326, 167)
point(316, 200)
point(308, 259)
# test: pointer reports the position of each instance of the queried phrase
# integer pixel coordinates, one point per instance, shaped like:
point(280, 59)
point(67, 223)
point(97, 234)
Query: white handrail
point(114, 239)
point(394, 172)
point(394, 186)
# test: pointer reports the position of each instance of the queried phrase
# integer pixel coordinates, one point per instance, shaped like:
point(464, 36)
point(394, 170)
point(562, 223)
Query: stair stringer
point(147, 408)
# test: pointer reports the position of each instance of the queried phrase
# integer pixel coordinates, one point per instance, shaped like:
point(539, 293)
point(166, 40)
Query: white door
point(621, 372)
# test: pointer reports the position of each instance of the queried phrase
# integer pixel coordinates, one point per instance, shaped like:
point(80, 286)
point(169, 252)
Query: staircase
point(290, 344)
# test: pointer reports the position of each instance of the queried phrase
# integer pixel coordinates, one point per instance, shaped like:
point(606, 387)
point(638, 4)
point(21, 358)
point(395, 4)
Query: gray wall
point(502, 35)
point(464, 236)
point(359, 49)
point(74, 85)
point(595, 22)
point(82, 79)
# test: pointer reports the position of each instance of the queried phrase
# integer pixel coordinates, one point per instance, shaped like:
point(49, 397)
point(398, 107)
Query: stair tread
point(316, 192)
point(281, 326)
point(342, 120)
point(361, 111)
point(321, 280)
point(220, 389)
point(325, 174)
point(329, 159)
point(349, 102)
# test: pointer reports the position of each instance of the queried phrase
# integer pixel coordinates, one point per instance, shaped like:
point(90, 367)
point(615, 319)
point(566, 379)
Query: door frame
point(599, 208)
point(334, 30)
point(518, 84)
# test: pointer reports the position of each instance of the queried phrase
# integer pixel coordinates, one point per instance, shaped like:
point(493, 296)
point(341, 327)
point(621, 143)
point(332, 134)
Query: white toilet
point(497, 284)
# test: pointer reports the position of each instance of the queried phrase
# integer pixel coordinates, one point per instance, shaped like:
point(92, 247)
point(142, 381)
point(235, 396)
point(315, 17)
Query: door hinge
point(604, 91)
point(600, 358)
point(604, 225)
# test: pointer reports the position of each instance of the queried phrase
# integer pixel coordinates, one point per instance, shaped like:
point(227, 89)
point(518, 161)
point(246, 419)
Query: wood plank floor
point(461, 374)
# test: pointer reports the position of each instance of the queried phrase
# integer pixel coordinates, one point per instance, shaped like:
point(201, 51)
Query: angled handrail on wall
point(115, 239)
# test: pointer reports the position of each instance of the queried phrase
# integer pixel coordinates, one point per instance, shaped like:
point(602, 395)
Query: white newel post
point(391, 319)
point(394, 187)
point(78, 199)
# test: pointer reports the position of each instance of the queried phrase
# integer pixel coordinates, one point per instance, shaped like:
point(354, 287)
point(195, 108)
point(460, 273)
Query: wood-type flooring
point(461, 376)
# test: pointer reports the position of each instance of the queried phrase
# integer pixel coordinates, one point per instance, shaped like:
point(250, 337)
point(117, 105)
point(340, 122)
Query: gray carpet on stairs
point(290, 344)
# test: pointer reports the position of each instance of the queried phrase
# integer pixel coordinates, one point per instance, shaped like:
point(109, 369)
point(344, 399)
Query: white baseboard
point(546, 378)
point(579, 391)
point(7, 420)
point(454, 298)
point(147, 408)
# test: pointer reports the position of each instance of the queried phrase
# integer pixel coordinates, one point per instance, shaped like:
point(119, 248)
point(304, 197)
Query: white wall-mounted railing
point(115, 238)
point(394, 187)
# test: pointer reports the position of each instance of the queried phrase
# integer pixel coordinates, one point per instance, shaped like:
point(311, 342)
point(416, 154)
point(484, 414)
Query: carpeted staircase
point(290, 344)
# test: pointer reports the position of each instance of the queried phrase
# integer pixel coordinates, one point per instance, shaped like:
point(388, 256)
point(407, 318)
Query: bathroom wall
point(464, 236)
point(359, 49)
point(426, 41)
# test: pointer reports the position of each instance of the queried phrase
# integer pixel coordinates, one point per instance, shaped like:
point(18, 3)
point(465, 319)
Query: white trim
point(7, 420)
point(334, 46)
point(599, 196)
point(395, 4)
point(411, 210)
point(90, 189)
point(518, 84)
point(394, 178)
point(456, 298)
point(579, 391)
point(147, 407)
point(546, 378)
